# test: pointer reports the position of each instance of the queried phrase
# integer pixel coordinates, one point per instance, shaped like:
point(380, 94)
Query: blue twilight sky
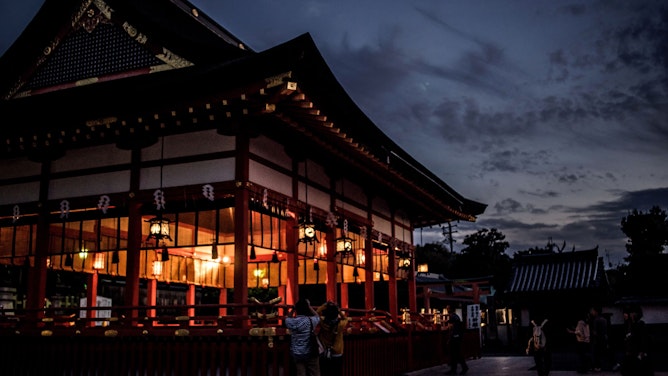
point(554, 113)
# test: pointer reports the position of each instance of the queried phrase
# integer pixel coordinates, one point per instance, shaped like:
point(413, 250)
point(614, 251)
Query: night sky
point(553, 113)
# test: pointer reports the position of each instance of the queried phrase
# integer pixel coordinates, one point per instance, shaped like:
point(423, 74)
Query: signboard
point(101, 313)
point(473, 316)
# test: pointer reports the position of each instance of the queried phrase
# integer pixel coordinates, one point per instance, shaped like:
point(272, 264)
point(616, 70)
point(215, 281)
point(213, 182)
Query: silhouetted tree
point(485, 255)
point(647, 232)
point(647, 236)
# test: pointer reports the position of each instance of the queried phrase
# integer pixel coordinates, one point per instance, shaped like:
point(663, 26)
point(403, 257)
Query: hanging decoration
point(64, 209)
point(363, 232)
point(265, 199)
point(159, 199)
point(16, 214)
point(344, 244)
point(207, 192)
point(331, 220)
point(103, 203)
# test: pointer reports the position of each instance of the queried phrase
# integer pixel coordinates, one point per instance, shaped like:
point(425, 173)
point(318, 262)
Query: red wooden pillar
point(131, 297)
point(151, 296)
point(37, 274)
point(412, 287)
point(222, 299)
point(292, 282)
point(91, 296)
point(332, 270)
point(345, 300)
point(241, 223)
point(368, 272)
point(369, 293)
point(333, 277)
point(392, 274)
point(190, 300)
point(291, 237)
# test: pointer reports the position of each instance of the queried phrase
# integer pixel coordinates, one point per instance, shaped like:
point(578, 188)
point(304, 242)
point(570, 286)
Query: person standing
point(582, 345)
point(302, 321)
point(333, 324)
point(456, 327)
point(599, 338)
point(636, 361)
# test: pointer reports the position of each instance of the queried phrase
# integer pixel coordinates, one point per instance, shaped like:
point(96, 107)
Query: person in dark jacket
point(636, 360)
point(456, 328)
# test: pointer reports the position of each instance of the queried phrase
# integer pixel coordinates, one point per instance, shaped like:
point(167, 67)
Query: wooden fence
point(182, 345)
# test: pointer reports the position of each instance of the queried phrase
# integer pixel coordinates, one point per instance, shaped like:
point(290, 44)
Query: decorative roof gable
point(92, 41)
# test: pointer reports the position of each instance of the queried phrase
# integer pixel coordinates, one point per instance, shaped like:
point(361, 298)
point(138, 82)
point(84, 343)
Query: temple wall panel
point(19, 167)
point(316, 174)
point(203, 172)
point(17, 193)
point(88, 185)
point(270, 150)
point(354, 192)
point(92, 157)
point(381, 224)
point(316, 197)
point(189, 144)
point(380, 206)
point(272, 179)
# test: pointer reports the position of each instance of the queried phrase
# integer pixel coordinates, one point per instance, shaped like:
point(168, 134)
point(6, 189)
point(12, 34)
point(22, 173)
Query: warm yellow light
point(258, 273)
point(226, 259)
point(157, 268)
point(323, 250)
point(98, 261)
point(360, 257)
point(423, 268)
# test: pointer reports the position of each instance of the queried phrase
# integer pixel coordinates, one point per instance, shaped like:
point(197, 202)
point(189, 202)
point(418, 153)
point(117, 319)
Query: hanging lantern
point(344, 244)
point(158, 228)
point(157, 268)
point(307, 233)
point(404, 260)
point(274, 258)
point(98, 261)
point(316, 266)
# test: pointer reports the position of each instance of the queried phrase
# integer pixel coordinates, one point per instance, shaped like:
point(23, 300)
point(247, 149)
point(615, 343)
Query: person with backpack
point(582, 345)
point(302, 322)
point(333, 324)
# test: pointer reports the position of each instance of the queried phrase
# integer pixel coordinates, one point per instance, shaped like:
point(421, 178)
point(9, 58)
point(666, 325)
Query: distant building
point(560, 287)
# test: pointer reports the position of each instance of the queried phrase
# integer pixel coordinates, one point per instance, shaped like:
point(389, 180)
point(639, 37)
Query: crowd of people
point(316, 340)
point(593, 347)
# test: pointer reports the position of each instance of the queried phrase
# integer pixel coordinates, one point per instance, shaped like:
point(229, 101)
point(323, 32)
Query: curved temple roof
point(166, 79)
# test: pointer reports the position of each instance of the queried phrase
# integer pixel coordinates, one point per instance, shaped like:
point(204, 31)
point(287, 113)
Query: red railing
point(55, 341)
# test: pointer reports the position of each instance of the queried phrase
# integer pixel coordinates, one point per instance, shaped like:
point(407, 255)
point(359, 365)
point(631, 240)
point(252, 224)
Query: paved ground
point(506, 366)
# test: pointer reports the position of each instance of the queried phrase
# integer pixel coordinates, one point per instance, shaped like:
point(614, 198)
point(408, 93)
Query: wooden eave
point(288, 86)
